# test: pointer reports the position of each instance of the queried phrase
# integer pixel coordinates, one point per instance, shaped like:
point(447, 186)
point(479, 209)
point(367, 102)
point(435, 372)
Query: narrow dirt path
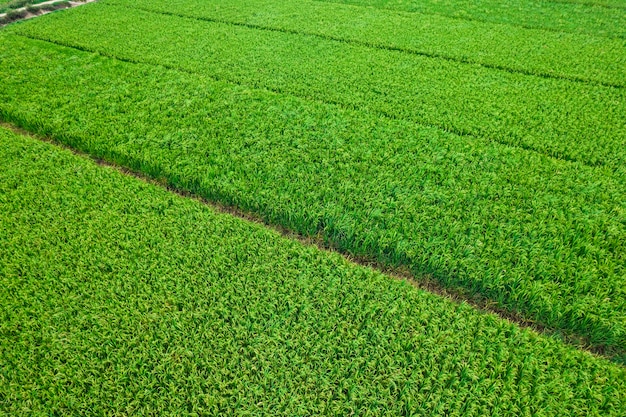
point(28, 12)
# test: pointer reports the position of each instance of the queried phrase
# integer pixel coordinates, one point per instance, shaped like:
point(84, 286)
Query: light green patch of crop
point(507, 47)
point(548, 15)
point(118, 297)
point(563, 119)
point(535, 234)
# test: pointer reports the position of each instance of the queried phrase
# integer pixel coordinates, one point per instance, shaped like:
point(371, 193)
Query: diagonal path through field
point(425, 283)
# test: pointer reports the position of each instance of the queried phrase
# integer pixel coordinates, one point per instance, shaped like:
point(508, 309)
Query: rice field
point(477, 145)
point(119, 297)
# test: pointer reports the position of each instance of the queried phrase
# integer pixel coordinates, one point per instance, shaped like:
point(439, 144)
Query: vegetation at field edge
point(32, 10)
point(9, 5)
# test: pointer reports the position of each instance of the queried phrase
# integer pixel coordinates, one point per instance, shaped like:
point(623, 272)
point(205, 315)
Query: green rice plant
point(119, 297)
point(619, 4)
point(14, 14)
point(512, 48)
point(537, 235)
point(558, 118)
point(547, 15)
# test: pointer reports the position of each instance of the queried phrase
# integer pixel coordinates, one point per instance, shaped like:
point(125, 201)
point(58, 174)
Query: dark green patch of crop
point(117, 297)
point(535, 234)
point(511, 48)
point(548, 15)
point(559, 118)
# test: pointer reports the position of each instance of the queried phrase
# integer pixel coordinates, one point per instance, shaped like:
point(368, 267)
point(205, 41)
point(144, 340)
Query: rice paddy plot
point(119, 297)
point(562, 119)
point(579, 57)
point(537, 235)
point(591, 17)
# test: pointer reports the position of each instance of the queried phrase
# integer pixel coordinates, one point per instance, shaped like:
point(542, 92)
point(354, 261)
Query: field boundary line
point(379, 113)
point(456, 295)
point(373, 45)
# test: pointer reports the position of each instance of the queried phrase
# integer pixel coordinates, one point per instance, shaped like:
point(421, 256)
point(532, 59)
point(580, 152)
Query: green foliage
point(14, 15)
point(118, 297)
point(535, 234)
point(619, 4)
point(563, 119)
point(577, 16)
point(19, 10)
point(8, 6)
point(56, 6)
point(511, 48)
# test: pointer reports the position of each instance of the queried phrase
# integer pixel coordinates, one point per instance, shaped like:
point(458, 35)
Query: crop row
point(538, 235)
point(544, 53)
point(119, 297)
point(550, 15)
point(559, 118)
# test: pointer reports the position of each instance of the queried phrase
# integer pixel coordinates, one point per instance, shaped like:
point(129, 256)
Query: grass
point(590, 17)
point(119, 297)
point(618, 4)
point(572, 121)
point(535, 234)
point(511, 48)
point(7, 6)
point(16, 14)
point(13, 16)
